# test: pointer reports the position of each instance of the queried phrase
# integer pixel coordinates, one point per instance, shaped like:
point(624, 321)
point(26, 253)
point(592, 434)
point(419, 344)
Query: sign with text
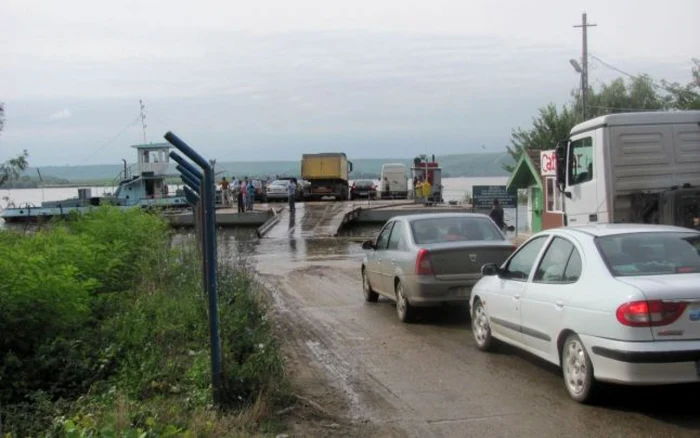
point(548, 163)
point(483, 196)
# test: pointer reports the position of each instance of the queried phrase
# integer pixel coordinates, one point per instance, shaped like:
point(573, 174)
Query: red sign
point(548, 163)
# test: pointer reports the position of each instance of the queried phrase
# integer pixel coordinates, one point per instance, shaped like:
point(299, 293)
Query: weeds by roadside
point(105, 333)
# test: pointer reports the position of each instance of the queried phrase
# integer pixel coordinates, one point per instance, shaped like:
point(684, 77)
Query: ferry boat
point(145, 186)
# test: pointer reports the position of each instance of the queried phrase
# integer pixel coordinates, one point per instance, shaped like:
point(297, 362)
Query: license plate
point(694, 313)
point(460, 292)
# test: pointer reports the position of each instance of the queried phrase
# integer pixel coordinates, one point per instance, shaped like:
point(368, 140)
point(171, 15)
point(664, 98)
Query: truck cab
point(632, 167)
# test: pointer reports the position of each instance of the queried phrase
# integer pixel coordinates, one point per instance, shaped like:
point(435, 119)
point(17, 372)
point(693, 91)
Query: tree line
point(636, 93)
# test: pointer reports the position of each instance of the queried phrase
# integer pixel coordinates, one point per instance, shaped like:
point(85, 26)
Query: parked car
point(616, 303)
point(277, 190)
point(430, 259)
point(363, 189)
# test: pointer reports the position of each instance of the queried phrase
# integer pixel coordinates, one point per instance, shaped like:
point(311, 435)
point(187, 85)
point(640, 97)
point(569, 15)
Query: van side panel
point(651, 158)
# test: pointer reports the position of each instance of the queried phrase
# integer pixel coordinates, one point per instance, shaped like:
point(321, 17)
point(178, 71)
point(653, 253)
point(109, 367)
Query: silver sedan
point(430, 259)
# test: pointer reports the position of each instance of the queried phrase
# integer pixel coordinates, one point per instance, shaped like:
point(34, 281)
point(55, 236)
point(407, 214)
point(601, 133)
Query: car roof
point(600, 230)
point(413, 217)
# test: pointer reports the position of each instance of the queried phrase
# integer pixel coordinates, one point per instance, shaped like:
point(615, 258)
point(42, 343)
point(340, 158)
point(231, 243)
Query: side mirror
point(510, 228)
point(560, 152)
point(490, 269)
point(368, 244)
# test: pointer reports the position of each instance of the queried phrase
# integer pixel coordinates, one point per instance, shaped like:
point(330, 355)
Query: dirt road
point(367, 374)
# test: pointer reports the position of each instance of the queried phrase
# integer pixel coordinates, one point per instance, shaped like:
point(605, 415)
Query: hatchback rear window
point(454, 229)
point(660, 253)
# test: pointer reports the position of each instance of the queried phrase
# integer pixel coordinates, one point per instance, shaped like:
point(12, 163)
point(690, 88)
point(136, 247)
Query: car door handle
point(516, 297)
point(559, 304)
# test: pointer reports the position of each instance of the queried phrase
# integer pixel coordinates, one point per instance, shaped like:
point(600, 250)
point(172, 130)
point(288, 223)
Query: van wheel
point(577, 370)
point(404, 310)
point(370, 295)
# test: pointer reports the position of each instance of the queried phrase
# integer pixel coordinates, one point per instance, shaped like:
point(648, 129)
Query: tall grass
point(105, 328)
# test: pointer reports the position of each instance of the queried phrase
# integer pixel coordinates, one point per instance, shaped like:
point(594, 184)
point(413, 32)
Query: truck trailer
point(633, 168)
point(327, 174)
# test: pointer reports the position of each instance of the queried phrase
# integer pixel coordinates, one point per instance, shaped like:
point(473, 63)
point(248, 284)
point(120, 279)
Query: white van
point(393, 183)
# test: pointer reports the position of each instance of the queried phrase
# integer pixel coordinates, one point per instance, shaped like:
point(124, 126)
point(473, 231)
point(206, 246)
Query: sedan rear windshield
point(364, 183)
point(454, 229)
point(651, 253)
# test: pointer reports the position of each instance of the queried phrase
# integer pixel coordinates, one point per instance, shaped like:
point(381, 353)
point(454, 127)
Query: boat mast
point(143, 120)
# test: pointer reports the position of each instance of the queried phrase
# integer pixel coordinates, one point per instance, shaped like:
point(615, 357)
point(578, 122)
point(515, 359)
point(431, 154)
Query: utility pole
point(143, 120)
point(584, 62)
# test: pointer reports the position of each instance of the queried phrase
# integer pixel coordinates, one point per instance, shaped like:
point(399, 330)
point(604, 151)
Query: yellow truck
point(327, 175)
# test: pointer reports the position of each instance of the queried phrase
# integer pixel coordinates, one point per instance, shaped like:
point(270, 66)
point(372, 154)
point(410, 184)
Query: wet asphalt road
point(428, 379)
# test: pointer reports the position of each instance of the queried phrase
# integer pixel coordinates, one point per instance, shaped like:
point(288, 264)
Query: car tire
point(370, 295)
point(404, 310)
point(577, 370)
point(481, 329)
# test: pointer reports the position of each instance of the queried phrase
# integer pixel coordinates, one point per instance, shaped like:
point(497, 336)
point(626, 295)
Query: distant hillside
point(475, 165)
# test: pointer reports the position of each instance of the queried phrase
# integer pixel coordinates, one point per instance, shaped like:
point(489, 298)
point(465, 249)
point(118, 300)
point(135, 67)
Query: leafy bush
point(101, 313)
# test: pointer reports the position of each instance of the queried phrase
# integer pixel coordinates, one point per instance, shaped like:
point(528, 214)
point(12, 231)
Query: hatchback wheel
point(370, 295)
point(481, 328)
point(405, 311)
point(577, 370)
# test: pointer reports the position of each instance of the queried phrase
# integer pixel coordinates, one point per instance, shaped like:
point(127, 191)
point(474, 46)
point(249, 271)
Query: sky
point(242, 80)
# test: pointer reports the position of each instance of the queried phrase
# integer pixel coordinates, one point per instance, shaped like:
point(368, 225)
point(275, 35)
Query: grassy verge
point(105, 333)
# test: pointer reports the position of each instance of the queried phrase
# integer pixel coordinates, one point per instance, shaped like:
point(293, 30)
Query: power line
point(612, 67)
point(132, 123)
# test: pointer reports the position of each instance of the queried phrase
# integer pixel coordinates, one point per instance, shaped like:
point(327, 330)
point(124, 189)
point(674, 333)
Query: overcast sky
point(244, 80)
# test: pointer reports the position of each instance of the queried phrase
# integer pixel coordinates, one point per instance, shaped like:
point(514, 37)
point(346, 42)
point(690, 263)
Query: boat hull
point(42, 214)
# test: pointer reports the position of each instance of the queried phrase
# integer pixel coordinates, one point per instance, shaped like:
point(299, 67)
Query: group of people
point(423, 189)
point(245, 193)
point(243, 190)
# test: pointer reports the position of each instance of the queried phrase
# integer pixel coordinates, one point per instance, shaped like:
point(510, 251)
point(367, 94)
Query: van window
point(581, 170)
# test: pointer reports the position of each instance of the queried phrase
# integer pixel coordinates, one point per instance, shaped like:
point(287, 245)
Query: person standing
point(426, 188)
point(244, 193)
point(417, 189)
point(292, 193)
point(240, 200)
point(250, 189)
point(496, 214)
point(225, 192)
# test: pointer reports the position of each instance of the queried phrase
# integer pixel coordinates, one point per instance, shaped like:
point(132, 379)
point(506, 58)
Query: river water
point(455, 189)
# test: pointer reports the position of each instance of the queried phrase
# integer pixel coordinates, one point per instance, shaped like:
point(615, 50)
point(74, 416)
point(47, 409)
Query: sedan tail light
point(649, 313)
point(423, 264)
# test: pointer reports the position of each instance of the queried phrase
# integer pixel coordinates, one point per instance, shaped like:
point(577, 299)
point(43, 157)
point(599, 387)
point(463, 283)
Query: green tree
point(619, 96)
point(685, 97)
point(11, 168)
point(550, 126)
point(636, 94)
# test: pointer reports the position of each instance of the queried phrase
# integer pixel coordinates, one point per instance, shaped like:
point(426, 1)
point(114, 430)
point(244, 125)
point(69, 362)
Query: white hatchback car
point(617, 303)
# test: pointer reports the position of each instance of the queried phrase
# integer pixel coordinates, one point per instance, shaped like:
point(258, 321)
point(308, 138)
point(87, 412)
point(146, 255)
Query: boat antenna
point(143, 120)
